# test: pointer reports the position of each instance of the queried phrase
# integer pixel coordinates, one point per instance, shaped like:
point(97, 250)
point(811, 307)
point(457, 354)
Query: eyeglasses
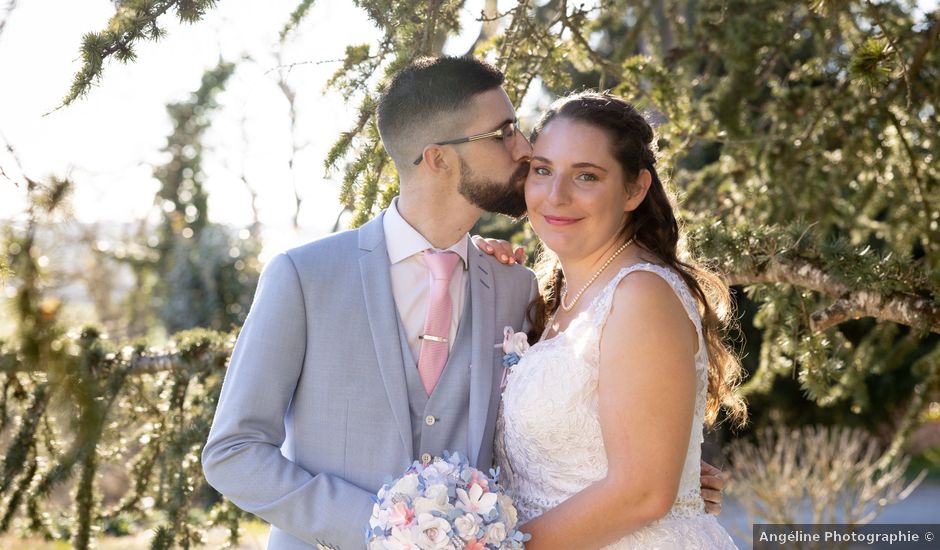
point(506, 131)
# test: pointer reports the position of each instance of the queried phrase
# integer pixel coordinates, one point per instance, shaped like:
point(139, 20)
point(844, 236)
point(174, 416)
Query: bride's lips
point(560, 220)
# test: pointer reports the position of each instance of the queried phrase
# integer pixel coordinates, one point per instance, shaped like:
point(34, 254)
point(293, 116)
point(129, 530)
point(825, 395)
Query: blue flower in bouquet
point(444, 505)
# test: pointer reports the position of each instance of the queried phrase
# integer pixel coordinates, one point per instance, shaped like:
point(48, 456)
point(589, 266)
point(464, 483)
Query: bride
point(601, 427)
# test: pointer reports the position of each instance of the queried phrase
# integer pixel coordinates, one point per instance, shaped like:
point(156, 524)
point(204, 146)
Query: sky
point(109, 142)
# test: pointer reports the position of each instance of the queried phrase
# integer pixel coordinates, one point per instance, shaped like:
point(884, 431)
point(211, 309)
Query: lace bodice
point(549, 442)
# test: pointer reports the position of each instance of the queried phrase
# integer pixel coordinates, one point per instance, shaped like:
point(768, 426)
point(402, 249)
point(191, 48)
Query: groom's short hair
point(425, 102)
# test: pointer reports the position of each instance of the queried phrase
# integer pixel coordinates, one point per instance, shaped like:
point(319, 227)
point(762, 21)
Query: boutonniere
point(514, 345)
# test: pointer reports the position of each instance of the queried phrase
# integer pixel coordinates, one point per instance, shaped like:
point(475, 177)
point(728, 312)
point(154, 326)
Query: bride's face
point(575, 192)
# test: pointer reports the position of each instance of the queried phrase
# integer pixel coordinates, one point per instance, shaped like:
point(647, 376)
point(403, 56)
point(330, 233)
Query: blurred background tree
point(799, 137)
point(199, 274)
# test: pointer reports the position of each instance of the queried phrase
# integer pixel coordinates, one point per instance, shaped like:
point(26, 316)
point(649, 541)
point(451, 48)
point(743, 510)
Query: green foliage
point(870, 63)
point(157, 411)
point(133, 21)
point(296, 17)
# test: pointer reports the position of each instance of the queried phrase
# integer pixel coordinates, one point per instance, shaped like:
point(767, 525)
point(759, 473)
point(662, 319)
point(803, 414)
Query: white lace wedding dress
point(549, 443)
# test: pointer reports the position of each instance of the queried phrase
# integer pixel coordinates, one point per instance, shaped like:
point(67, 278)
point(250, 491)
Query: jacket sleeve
point(533, 292)
point(242, 458)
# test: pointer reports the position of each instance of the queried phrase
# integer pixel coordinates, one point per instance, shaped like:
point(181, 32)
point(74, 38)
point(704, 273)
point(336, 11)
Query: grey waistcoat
point(439, 422)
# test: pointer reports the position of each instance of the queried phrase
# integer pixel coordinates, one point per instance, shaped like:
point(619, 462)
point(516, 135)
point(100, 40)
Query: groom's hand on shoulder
point(713, 482)
point(501, 250)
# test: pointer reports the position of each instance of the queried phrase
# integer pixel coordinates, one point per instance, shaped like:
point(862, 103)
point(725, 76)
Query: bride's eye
point(587, 176)
point(541, 171)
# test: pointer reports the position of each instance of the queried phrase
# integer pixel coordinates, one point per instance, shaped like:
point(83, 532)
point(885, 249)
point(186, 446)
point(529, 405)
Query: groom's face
point(493, 171)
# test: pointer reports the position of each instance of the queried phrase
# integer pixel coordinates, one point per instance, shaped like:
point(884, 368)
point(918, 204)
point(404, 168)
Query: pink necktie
point(434, 344)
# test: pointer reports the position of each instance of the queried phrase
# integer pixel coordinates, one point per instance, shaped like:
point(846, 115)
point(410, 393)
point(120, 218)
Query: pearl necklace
point(564, 291)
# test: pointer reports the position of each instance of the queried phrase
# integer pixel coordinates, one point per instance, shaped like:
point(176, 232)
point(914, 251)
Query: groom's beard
point(501, 198)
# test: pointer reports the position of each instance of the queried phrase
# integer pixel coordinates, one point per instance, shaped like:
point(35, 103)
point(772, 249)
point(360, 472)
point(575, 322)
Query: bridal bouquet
point(444, 505)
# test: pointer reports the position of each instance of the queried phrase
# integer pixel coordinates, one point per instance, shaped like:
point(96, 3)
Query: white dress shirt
point(411, 280)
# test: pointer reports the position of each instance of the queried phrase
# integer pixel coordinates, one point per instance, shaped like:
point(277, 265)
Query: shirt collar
point(404, 241)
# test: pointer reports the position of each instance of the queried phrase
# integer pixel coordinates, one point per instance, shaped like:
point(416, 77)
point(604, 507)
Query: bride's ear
point(638, 190)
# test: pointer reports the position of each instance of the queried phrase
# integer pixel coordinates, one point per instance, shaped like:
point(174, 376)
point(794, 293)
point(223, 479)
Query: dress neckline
point(591, 306)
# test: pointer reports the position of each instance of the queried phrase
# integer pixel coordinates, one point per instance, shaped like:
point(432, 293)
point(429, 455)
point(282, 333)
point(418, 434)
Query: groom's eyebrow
point(503, 123)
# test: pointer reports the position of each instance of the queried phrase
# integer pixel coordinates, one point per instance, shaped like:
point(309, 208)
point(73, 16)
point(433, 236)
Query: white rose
point(467, 526)
point(509, 511)
point(518, 344)
point(407, 485)
point(496, 533)
point(435, 501)
point(442, 467)
point(434, 533)
point(437, 492)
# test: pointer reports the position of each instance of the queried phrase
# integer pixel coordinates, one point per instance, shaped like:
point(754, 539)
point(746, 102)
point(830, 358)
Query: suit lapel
point(383, 322)
point(483, 309)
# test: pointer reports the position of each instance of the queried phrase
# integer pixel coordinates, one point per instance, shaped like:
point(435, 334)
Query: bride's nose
point(559, 191)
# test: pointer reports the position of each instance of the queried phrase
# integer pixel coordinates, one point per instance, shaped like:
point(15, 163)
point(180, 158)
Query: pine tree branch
point(897, 307)
point(605, 65)
point(507, 48)
point(290, 66)
point(146, 364)
point(873, 10)
point(489, 19)
point(296, 17)
point(915, 173)
point(430, 27)
point(930, 36)
point(130, 23)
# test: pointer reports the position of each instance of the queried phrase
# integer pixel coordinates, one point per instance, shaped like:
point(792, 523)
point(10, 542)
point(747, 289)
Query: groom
point(369, 349)
point(372, 348)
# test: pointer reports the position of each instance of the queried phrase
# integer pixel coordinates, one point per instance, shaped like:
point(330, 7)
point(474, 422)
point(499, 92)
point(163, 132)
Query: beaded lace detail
point(549, 442)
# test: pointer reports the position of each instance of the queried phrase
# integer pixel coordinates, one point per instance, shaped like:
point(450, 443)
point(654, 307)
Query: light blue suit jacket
point(313, 416)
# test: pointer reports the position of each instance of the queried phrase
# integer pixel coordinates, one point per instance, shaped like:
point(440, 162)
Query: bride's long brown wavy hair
point(654, 226)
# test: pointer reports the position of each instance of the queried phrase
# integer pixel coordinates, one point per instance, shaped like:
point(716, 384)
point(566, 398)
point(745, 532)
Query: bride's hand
point(712, 484)
point(500, 249)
